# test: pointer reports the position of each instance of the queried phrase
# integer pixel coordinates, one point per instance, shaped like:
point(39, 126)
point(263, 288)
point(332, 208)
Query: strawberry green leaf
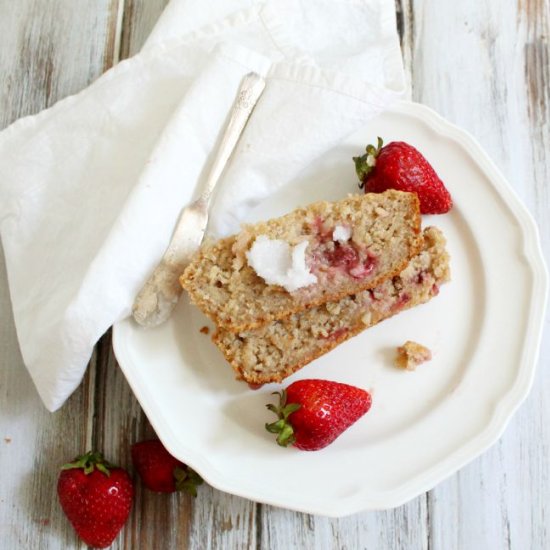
point(88, 462)
point(187, 480)
point(282, 427)
point(366, 163)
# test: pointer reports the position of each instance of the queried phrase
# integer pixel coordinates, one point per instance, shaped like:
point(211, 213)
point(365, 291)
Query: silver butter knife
point(160, 294)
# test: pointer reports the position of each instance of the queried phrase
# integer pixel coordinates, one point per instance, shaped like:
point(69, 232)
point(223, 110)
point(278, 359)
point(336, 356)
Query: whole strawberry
point(313, 413)
point(400, 166)
point(96, 497)
point(160, 471)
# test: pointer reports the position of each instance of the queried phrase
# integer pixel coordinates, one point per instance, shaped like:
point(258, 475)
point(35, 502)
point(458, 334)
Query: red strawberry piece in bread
point(96, 498)
point(400, 166)
point(313, 413)
point(160, 471)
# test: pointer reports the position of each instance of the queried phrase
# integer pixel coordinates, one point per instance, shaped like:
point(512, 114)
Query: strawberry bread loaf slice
point(275, 351)
point(315, 254)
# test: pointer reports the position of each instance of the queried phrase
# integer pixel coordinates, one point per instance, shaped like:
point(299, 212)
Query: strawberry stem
point(282, 427)
point(365, 164)
point(88, 462)
point(187, 480)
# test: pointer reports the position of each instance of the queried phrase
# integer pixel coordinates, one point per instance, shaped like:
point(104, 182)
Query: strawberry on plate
point(400, 166)
point(313, 413)
point(160, 471)
point(96, 498)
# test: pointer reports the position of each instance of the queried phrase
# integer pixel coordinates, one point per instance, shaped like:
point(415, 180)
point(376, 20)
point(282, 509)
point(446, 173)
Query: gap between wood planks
point(118, 31)
point(406, 28)
point(115, 42)
point(404, 12)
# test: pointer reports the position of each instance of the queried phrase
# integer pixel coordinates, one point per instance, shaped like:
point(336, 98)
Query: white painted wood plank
point(220, 520)
point(405, 527)
point(49, 50)
point(212, 520)
point(33, 445)
point(484, 66)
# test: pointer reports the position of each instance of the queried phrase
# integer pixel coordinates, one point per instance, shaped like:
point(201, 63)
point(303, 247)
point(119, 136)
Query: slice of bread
point(385, 235)
point(275, 351)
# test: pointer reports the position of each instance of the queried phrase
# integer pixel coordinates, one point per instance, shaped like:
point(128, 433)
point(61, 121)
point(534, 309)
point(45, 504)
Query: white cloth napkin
point(91, 188)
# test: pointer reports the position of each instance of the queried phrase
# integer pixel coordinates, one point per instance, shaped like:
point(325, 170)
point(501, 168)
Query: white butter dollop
point(341, 233)
point(278, 263)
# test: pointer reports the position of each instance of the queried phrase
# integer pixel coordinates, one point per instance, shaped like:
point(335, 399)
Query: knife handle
point(251, 88)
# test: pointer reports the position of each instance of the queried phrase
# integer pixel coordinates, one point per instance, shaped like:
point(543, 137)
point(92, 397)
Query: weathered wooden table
point(484, 65)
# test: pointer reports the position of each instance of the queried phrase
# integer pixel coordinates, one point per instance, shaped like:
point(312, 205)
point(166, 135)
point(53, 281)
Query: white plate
point(484, 329)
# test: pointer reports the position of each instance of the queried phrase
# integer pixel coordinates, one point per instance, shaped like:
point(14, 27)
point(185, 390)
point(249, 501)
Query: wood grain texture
point(493, 81)
point(405, 527)
point(483, 65)
point(138, 21)
point(43, 45)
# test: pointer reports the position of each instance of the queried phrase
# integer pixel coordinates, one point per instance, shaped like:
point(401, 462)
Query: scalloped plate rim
point(474, 447)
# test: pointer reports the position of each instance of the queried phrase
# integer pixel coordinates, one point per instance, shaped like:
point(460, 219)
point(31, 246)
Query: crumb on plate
point(411, 354)
point(204, 330)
